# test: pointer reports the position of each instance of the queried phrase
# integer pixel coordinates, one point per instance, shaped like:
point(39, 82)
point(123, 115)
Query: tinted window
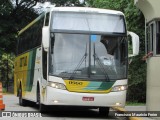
point(30, 38)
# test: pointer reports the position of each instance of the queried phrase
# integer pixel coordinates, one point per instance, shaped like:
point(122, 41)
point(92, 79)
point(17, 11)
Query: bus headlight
point(57, 85)
point(119, 88)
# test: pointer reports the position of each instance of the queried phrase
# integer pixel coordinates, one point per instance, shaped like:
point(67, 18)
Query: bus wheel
point(21, 100)
point(41, 107)
point(104, 111)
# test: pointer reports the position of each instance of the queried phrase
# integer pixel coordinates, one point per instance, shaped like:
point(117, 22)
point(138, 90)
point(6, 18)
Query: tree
point(6, 69)
point(6, 26)
point(12, 19)
point(67, 3)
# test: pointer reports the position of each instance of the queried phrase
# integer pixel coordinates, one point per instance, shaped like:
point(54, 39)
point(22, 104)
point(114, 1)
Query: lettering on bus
point(75, 83)
point(23, 61)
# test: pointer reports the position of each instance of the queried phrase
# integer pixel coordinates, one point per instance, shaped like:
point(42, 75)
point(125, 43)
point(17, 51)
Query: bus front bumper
point(65, 98)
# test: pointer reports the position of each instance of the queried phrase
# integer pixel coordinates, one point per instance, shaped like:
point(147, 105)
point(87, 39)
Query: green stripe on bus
point(106, 85)
point(31, 67)
point(99, 86)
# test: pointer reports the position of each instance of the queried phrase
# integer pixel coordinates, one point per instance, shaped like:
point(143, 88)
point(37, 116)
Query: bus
point(74, 56)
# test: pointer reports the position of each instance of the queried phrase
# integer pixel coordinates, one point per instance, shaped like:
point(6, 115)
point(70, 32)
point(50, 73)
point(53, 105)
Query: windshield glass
point(87, 22)
point(78, 56)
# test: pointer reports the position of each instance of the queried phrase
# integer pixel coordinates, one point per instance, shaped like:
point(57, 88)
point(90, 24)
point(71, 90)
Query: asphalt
point(133, 109)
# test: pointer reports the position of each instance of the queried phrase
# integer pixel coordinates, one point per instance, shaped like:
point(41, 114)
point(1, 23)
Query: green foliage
point(6, 26)
point(135, 104)
point(6, 68)
point(66, 2)
point(12, 19)
point(135, 23)
point(137, 80)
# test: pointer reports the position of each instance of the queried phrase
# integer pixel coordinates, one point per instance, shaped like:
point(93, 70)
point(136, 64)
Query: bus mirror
point(135, 44)
point(45, 37)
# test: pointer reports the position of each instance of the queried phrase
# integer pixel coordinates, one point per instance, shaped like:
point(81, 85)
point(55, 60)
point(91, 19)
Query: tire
point(104, 111)
point(41, 107)
point(22, 102)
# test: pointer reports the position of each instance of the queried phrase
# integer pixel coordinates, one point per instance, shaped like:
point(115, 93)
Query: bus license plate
point(88, 98)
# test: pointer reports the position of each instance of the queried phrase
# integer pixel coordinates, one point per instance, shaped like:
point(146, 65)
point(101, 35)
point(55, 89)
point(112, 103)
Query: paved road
point(11, 103)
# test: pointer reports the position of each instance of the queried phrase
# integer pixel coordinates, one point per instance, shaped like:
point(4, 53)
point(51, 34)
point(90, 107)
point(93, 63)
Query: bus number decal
point(75, 83)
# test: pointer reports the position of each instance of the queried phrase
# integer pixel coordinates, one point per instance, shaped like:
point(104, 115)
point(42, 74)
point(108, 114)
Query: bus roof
point(72, 9)
point(86, 9)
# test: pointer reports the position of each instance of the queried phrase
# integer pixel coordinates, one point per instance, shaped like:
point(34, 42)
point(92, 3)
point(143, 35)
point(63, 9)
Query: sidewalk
point(140, 108)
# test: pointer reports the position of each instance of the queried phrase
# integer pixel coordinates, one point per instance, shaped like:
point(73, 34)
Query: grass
point(4, 91)
point(135, 104)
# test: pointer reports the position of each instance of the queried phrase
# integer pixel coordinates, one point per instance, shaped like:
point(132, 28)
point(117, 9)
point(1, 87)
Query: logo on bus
point(75, 83)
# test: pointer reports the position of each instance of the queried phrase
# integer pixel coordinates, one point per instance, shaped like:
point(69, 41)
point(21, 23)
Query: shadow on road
point(71, 112)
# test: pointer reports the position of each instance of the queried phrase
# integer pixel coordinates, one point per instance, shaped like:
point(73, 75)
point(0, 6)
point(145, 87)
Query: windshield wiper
point(100, 64)
point(79, 64)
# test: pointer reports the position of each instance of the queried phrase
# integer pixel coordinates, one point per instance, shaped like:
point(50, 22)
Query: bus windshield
point(77, 22)
point(85, 56)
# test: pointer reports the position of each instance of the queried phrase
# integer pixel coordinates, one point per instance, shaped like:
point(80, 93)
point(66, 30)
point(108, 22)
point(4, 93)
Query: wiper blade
point(100, 64)
point(79, 64)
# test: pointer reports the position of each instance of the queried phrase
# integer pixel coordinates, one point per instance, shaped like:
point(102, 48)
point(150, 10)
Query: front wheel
point(104, 111)
point(41, 107)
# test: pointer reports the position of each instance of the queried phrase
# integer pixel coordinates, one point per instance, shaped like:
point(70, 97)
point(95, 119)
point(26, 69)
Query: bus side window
point(52, 42)
point(44, 65)
point(47, 19)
